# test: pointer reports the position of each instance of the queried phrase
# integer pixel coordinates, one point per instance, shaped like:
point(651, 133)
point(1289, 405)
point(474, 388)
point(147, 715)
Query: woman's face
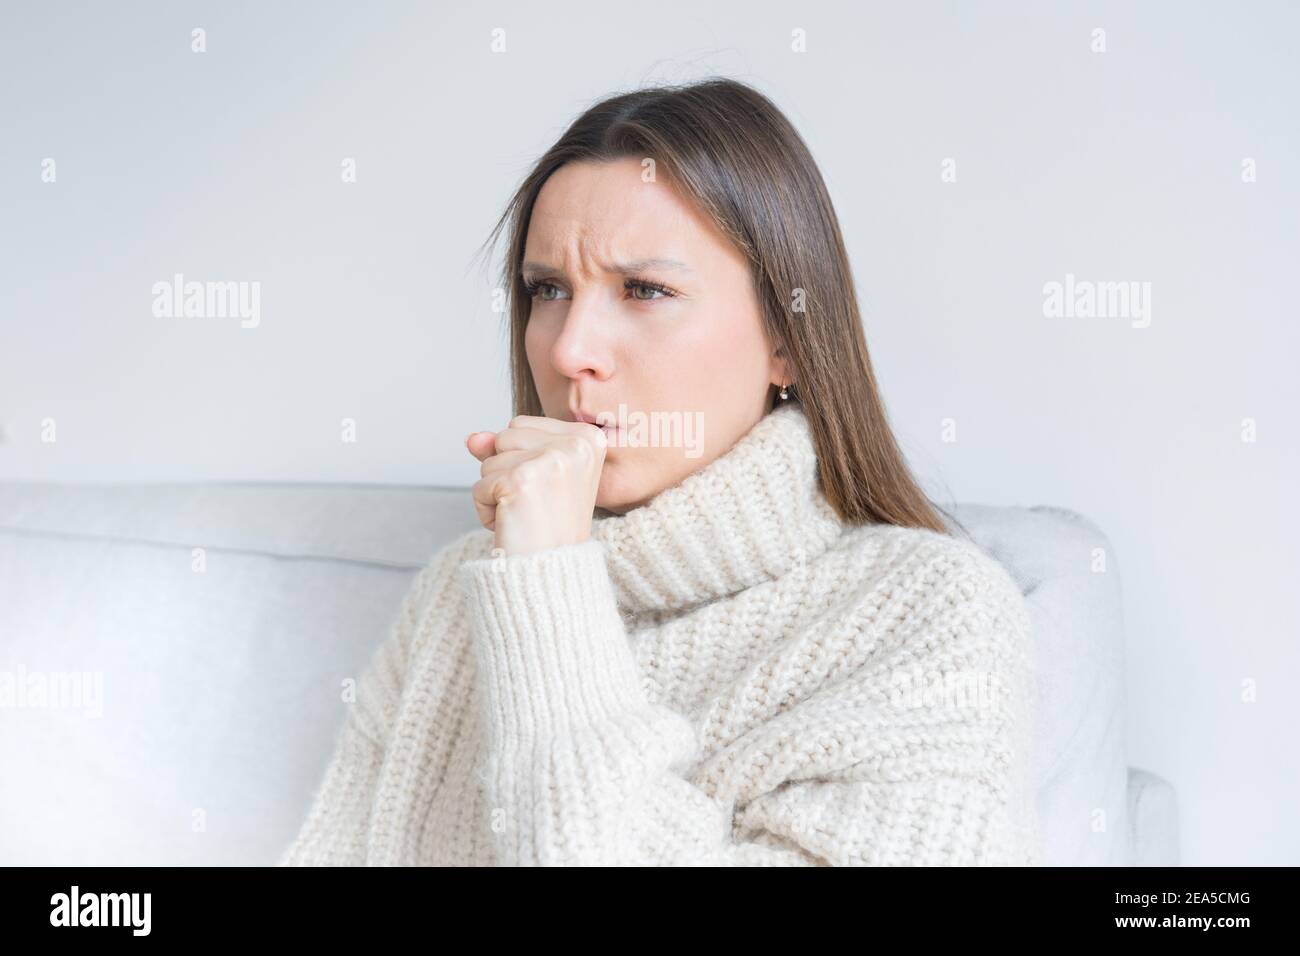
point(643, 315)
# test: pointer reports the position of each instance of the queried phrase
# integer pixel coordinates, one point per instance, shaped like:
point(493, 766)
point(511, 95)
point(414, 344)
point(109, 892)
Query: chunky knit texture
point(726, 675)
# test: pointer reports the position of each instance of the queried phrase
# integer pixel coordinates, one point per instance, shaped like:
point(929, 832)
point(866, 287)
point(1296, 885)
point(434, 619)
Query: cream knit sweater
point(727, 675)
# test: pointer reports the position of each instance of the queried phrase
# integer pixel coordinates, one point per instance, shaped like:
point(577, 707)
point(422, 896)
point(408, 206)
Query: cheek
point(536, 347)
point(717, 350)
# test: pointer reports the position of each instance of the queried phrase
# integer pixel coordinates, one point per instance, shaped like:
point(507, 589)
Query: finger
point(542, 424)
point(485, 501)
point(481, 447)
point(515, 438)
point(481, 444)
point(506, 460)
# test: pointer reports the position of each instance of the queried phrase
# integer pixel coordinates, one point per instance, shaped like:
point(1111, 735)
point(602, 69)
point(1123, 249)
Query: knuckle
point(549, 462)
point(524, 476)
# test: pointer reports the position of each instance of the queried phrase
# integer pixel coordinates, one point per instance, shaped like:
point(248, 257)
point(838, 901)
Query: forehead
point(606, 208)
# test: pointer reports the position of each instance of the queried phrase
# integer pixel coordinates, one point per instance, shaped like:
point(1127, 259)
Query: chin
point(616, 493)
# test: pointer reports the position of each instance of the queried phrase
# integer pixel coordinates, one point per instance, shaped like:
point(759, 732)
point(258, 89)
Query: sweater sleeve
point(581, 768)
point(337, 825)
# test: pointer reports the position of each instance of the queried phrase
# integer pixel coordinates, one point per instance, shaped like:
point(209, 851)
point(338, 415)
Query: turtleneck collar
point(746, 517)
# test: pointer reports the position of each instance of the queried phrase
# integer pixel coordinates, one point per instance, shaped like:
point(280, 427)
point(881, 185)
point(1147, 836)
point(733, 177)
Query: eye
point(640, 285)
point(642, 290)
point(542, 290)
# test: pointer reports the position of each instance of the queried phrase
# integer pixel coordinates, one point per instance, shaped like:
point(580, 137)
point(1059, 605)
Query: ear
point(779, 369)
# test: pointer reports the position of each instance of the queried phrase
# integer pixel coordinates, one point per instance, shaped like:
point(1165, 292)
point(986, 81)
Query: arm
point(335, 832)
point(581, 768)
point(337, 826)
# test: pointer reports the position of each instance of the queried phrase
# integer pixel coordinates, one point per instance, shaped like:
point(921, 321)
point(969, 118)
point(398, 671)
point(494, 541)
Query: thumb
point(482, 445)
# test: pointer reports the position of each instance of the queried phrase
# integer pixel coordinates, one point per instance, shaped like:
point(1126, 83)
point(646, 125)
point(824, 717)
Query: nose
point(582, 349)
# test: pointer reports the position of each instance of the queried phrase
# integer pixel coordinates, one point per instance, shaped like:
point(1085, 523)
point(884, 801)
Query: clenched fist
point(539, 484)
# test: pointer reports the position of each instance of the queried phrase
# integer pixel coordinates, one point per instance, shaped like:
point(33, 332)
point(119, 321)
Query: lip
point(580, 416)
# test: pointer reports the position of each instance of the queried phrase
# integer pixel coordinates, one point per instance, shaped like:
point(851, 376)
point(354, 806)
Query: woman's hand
point(540, 477)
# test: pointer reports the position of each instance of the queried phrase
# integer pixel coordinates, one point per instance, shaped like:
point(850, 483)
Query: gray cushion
point(221, 689)
point(1079, 763)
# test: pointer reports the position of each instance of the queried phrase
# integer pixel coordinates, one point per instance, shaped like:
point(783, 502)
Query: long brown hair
point(732, 152)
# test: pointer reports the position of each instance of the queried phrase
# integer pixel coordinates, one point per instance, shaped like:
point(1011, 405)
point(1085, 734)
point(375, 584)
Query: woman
point(711, 618)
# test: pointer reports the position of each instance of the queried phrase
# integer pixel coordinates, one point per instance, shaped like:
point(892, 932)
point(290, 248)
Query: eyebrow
point(541, 270)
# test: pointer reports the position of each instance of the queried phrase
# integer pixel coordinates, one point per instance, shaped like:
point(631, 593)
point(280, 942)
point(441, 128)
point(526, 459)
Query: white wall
point(1122, 165)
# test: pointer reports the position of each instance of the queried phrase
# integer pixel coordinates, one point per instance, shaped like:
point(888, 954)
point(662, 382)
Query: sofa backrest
point(198, 635)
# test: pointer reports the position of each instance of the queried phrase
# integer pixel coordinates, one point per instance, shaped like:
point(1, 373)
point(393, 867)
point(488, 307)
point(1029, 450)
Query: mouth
point(610, 430)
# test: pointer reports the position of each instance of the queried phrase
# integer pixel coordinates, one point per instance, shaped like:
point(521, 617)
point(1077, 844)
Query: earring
point(784, 393)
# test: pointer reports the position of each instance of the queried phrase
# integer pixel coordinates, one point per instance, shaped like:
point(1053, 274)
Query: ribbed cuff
point(550, 645)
